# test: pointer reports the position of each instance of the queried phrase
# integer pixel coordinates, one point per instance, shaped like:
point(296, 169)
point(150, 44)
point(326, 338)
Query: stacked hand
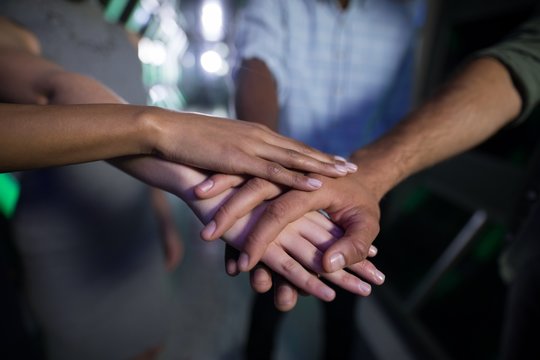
point(347, 201)
point(294, 252)
point(79, 119)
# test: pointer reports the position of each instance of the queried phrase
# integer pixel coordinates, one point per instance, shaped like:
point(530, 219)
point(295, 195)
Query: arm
point(294, 253)
point(256, 100)
point(477, 102)
point(52, 127)
point(36, 136)
point(17, 37)
point(256, 94)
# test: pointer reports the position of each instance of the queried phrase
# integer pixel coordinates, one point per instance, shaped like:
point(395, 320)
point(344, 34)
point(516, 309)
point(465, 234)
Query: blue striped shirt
point(343, 76)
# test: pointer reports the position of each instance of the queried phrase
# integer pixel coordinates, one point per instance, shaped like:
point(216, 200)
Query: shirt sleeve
point(520, 53)
point(261, 34)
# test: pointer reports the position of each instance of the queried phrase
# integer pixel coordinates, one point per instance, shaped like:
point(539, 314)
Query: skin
point(34, 136)
point(73, 89)
point(255, 101)
point(50, 130)
point(474, 104)
point(294, 253)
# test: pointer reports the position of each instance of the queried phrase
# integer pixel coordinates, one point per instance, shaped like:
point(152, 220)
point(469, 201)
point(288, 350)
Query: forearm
point(256, 94)
point(181, 181)
point(30, 79)
point(476, 103)
point(38, 136)
point(34, 136)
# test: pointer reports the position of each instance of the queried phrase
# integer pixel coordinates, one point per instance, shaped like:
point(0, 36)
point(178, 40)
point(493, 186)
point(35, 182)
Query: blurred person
point(334, 75)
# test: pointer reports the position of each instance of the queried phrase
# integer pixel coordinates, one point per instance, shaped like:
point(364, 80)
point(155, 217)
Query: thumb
point(354, 245)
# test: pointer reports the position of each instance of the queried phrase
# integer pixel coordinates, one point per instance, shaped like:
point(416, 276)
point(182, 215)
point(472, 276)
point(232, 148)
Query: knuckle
point(373, 226)
point(347, 280)
point(257, 129)
point(275, 211)
point(360, 250)
point(306, 149)
point(293, 154)
point(289, 266)
point(226, 213)
point(255, 241)
point(364, 268)
point(262, 127)
point(298, 179)
point(256, 185)
point(273, 170)
point(311, 282)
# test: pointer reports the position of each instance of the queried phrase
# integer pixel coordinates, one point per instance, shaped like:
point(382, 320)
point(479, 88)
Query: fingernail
point(364, 288)
point(243, 262)
point(351, 167)
point(328, 294)
point(341, 168)
point(340, 158)
point(314, 183)
point(231, 267)
point(337, 262)
point(372, 251)
point(285, 296)
point(206, 185)
point(209, 230)
point(379, 275)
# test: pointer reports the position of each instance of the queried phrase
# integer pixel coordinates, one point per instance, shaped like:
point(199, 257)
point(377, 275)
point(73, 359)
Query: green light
point(114, 10)
point(9, 194)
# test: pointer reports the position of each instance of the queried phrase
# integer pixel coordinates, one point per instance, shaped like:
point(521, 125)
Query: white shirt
point(343, 76)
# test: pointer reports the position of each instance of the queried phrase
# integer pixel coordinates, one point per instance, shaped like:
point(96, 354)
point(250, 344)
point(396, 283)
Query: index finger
point(277, 173)
point(287, 166)
point(279, 213)
point(249, 196)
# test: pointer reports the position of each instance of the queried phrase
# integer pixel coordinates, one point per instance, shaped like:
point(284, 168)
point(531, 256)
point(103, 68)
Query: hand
point(348, 201)
point(285, 293)
point(238, 147)
point(318, 230)
point(295, 253)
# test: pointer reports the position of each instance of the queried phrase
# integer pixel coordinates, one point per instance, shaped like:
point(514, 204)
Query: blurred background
point(441, 239)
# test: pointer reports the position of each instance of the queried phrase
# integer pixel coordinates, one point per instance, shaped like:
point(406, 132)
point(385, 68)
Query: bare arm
point(256, 94)
point(57, 135)
point(479, 101)
point(54, 134)
point(294, 253)
point(472, 106)
point(476, 103)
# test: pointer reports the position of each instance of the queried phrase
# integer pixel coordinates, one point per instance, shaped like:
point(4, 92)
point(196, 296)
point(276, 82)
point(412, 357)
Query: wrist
point(377, 171)
point(149, 130)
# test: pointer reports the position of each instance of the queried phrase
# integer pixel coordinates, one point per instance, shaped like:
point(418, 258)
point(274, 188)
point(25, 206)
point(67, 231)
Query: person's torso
point(345, 69)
